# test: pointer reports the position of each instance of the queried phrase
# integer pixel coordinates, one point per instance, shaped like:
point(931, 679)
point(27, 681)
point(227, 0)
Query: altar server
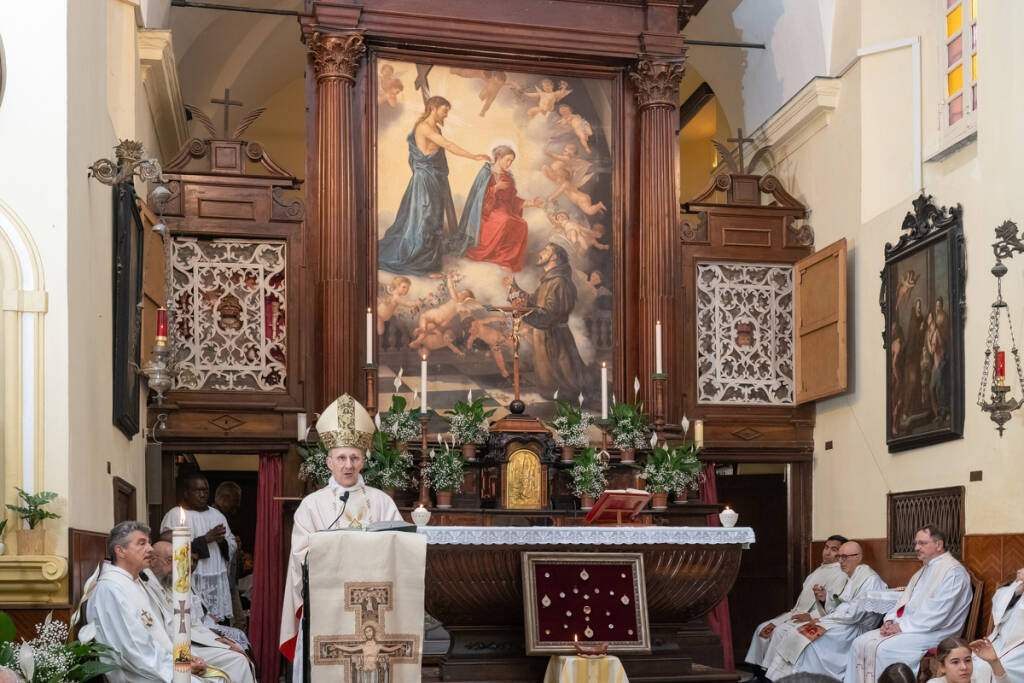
point(823, 644)
point(933, 607)
point(120, 609)
point(1007, 637)
point(958, 664)
point(822, 582)
point(346, 431)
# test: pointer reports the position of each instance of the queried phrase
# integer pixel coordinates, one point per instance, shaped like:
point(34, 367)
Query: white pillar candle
point(181, 548)
point(657, 347)
point(301, 426)
point(698, 433)
point(423, 384)
point(369, 336)
point(604, 391)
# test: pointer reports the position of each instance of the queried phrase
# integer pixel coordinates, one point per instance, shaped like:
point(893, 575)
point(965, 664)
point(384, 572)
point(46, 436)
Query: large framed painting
point(494, 185)
point(127, 295)
point(922, 299)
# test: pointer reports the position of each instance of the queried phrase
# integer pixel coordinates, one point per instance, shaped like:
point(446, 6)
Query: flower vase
point(680, 497)
point(568, 453)
point(31, 541)
point(627, 456)
point(586, 502)
point(659, 501)
point(444, 500)
point(469, 452)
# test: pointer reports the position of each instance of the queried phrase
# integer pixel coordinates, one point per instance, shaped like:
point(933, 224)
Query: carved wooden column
point(657, 92)
point(335, 61)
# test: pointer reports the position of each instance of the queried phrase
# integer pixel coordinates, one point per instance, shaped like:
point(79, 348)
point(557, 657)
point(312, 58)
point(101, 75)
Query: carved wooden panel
point(819, 304)
point(87, 550)
point(995, 559)
point(908, 511)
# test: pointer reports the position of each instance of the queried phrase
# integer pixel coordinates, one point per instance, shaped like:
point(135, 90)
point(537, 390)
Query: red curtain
point(718, 618)
point(267, 572)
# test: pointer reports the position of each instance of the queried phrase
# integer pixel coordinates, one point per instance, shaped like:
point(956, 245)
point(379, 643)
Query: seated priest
point(933, 607)
point(819, 584)
point(346, 431)
point(212, 539)
point(1007, 637)
point(215, 648)
point(124, 618)
point(822, 644)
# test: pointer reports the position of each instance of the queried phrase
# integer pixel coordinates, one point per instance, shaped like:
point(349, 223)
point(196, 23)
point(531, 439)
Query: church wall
point(856, 175)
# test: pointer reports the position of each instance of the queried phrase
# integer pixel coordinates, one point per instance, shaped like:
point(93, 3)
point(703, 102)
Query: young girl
point(954, 655)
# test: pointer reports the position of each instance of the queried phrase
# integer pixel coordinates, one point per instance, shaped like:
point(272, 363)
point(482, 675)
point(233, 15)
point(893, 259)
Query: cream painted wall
point(282, 127)
point(855, 175)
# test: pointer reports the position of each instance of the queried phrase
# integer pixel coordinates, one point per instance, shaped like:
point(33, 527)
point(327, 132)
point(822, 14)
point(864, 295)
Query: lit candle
point(423, 384)
point(161, 325)
point(698, 433)
point(302, 427)
point(369, 336)
point(181, 537)
point(604, 390)
point(1000, 366)
point(657, 347)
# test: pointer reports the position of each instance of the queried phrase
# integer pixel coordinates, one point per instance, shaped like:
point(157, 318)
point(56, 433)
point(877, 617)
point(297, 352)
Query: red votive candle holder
point(161, 325)
point(1000, 366)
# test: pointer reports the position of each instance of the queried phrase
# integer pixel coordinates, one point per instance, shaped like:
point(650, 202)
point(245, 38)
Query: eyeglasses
point(846, 557)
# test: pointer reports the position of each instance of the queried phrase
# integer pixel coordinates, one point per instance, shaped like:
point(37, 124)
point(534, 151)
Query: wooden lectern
point(619, 507)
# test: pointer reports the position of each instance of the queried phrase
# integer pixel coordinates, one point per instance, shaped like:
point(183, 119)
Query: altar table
point(474, 587)
point(573, 669)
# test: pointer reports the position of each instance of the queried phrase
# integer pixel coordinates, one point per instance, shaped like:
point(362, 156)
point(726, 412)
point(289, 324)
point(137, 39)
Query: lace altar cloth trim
point(882, 602)
point(578, 535)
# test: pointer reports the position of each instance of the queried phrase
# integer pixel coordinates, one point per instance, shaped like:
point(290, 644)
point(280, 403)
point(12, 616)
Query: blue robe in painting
point(415, 242)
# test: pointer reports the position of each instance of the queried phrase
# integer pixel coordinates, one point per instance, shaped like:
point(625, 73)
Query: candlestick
point(424, 499)
point(369, 336)
point(658, 412)
point(1000, 366)
point(604, 390)
point(161, 325)
point(423, 384)
point(371, 388)
point(181, 549)
point(657, 348)
point(698, 434)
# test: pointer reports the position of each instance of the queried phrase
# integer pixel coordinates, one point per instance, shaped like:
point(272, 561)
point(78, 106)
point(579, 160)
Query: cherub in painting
point(391, 299)
point(434, 319)
point(493, 82)
point(435, 339)
point(579, 125)
point(546, 97)
point(390, 86)
point(566, 163)
point(495, 339)
point(570, 188)
point(579, 236)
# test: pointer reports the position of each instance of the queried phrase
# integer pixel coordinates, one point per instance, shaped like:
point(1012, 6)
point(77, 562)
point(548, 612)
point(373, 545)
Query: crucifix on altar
point(516, 312)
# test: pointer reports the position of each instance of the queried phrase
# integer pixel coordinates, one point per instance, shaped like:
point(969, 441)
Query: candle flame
point(369, 310)
point(575, 637)
point(603, 364)
point(424, 356)
point(181, 516)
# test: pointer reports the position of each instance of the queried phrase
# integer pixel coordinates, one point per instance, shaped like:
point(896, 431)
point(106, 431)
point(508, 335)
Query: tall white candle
point(604, 390)
point(301, 426)
point(369, 336)
point(657, 348)
point(181, 548)
point(698, 433)
point(423, 384)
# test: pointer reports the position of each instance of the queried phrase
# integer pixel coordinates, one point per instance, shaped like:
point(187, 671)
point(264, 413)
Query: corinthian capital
point(336, 56)
point(657, 83)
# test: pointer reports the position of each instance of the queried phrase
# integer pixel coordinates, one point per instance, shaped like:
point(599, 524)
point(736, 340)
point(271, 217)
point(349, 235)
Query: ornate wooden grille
point(908, 511)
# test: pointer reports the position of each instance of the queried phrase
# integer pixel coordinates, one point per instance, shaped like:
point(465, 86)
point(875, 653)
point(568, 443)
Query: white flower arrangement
point(588, 474)
point(51, 657)
point(571, 425)
point(444, 472)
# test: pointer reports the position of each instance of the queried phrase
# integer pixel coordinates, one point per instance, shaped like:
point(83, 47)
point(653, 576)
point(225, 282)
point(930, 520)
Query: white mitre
point(345, 423)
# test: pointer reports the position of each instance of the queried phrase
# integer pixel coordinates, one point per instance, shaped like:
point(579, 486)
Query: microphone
point(344, 503)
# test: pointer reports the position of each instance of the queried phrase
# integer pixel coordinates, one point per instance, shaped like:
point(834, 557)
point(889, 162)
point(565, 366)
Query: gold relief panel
point(524, 481)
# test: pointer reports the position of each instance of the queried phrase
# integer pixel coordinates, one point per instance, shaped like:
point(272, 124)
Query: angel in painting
point(579, 236)
point(493, 82)
point(390, 86)
point(493, 338)
point(579, 125)
point(433, 320)
point(390, 298)
point(546, 97)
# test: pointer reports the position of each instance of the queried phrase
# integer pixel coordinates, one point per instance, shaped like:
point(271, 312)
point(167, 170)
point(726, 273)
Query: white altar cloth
point(882, 602)
point(586, 535)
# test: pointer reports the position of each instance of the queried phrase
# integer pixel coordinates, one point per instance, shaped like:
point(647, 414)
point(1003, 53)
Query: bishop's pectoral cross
point(228, 103)
point(369, 653)
point(182, 612)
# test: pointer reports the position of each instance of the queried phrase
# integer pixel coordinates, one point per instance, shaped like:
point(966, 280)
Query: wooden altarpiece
point(748, 239)
point(225, 196)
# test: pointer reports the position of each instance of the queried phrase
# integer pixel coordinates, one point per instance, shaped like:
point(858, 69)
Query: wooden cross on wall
point(228, 103)
point(739, 140)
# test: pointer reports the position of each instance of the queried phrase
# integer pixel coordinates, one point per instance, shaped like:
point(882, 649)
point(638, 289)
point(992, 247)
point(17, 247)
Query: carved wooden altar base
point(475, 590)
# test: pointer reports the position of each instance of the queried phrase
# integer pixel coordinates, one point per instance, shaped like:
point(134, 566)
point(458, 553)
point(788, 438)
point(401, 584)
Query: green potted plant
point(444, 473)
point(588, 476)
point(314, 462)
point(400, 424)
point(629, 429)
point(387, 467)
point(53, 656)
point(674, 468)
point(570, 426)
point(32, 541)
point(468, 422)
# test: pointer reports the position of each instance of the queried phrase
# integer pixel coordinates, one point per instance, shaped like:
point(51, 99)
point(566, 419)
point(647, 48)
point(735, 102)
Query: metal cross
point(181, 611)
point(228, 103)
point(739, 140)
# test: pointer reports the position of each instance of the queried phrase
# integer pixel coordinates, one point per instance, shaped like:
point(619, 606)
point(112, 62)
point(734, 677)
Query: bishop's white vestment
point(792, 651)
point(204, 641)
point(125, 620)
point(211, 574)
point(933, 607)
point(1007, 638)
point(828, 575)
point(320, 511)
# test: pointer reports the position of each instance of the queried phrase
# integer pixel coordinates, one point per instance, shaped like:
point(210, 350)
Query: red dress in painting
point(502, 228)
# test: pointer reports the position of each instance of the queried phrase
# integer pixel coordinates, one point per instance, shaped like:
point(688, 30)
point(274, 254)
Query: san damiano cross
point(368, 654)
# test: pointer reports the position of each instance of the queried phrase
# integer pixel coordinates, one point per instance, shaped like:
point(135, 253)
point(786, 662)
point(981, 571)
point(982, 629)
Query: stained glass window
point(961, 17)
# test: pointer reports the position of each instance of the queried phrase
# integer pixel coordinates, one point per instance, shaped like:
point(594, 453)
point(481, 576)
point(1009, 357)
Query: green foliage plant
point(314, 462)
point(674, 468)
point(588, 473)
point(32, 511)
point(629, 425)
point(400, 424)
point(386, 467)
point(571, 424)
point(52, 657)
point(468, 422)
point(445, 470)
